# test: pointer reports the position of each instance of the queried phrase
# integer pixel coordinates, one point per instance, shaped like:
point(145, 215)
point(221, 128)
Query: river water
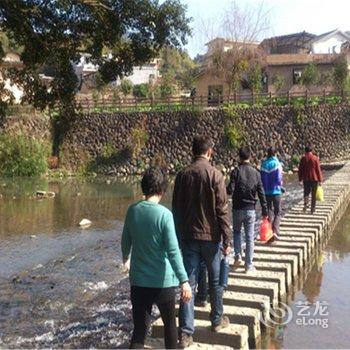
point(63, 286)
point(320, 311)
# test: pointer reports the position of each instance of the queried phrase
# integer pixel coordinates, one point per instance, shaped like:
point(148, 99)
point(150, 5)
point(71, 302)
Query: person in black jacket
point(245, 183)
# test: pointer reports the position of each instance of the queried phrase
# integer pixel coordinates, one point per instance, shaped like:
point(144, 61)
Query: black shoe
point(200, 302)
point(224, 323)
point(185, 340)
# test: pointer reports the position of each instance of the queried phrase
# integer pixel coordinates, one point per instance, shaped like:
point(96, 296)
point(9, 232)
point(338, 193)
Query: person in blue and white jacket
point(272, 179)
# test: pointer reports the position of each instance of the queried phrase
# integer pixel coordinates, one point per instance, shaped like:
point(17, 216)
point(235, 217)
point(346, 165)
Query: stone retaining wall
point(126, 143)
point(169, 136)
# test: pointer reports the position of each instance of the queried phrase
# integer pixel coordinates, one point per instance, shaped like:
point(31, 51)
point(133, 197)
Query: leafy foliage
point(141, 90)
point(126, 87)
point(340, 73)
point(234, 130)
point(177, 70)
point(310, 75)
point(295, 160)
point(255, 77)
point(167, 86)
point(109, 150)
point(231, 65)
point(22, 156)
point(139, 137)
point(278, 81)
point(55, 34)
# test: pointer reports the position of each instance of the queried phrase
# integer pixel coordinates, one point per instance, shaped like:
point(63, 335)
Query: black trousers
point(274, 211)
point(142, 299)
point(310, 187)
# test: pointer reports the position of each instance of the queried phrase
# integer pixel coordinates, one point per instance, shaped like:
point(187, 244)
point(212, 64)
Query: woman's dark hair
point(154, 182)
point(308, 149)
point(201, 144)
point(244, 153)
point(271, 152)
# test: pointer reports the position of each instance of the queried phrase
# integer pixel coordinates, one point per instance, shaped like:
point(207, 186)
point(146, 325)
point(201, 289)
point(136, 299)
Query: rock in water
point(85, 223)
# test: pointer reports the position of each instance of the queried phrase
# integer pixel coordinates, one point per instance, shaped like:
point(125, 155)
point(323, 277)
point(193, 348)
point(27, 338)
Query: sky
point(286, 17)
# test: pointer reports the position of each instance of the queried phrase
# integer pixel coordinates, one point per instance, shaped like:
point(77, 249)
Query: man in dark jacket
point(200, 209)
point(245, 183)
point(310, 175)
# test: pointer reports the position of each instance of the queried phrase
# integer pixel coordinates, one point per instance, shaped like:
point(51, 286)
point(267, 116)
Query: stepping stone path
point(249, 299)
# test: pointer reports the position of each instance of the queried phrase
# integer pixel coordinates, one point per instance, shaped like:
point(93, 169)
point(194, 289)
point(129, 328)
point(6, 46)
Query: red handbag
point(266, 232)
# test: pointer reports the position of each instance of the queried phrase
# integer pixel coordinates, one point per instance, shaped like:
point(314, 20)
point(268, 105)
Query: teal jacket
point(149, 234)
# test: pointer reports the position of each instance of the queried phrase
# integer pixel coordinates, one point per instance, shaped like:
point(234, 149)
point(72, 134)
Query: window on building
point(297, 76)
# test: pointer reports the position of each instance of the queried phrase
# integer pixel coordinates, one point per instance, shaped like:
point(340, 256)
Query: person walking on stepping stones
point(310, 175)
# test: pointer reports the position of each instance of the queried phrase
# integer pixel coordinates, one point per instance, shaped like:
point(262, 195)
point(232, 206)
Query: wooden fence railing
point(212, 101)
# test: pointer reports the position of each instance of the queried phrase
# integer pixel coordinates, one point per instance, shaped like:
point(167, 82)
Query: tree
point(178, 65)
point(167, 86)
point(126, 87)
point(55, 33)
point(278, 81)
point(231, 66)
point(340, 73)
point(242, 27)
point(310, 75)
point(254, 77)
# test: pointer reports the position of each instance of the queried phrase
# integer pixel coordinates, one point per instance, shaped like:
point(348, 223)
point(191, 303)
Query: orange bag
point(266, 232)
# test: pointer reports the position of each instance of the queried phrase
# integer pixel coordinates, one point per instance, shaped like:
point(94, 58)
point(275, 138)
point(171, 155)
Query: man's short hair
point(308, 149)
point(244, 153)
point(154, 182)
point(271, 152)
point(201, 145)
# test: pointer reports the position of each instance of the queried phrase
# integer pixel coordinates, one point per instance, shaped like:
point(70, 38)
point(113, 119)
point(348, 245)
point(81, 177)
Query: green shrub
point(139, 137)
point(234, 136)
point(234, 130)
point(299, 115)
point(109, 150)
point(295, 160)
point(141, 90)
point(22, 156)
point(126, 86)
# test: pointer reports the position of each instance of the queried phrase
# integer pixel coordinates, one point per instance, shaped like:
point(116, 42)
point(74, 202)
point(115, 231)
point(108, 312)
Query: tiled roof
point(324, 35)
point(290, 39)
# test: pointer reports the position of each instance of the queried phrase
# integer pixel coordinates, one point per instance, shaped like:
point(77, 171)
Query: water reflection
point(101, 201)
point(327, 284)
point(312, 287)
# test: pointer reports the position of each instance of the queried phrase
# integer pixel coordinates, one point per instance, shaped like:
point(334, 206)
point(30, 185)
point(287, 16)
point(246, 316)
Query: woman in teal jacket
point(156, 266)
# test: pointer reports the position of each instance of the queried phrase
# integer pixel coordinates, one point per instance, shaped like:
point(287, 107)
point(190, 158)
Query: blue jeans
point(202, 288)
point(193, 253)
point(244, 218)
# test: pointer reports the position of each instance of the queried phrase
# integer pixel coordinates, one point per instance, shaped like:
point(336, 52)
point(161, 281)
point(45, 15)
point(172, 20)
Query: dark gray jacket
point(245, 183)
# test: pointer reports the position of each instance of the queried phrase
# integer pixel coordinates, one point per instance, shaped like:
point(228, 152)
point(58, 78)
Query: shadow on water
point(63, 286)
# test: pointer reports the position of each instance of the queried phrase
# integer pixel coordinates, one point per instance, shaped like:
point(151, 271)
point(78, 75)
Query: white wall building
point(330, 42)
point(144, 74)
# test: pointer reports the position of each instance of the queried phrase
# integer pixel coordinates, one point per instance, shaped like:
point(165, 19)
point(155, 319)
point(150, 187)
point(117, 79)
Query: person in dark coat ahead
point(245, 183)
